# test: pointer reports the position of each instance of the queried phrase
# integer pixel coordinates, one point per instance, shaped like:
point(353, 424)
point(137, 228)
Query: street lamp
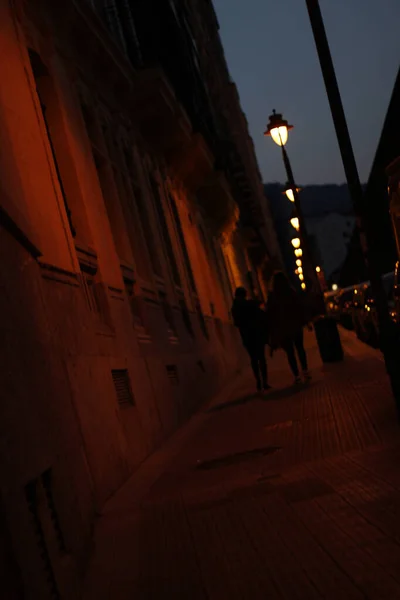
point(289, 192)
point(298, 262)
point(303, 286)
point(335, 287)
point(278, 128)
point(369, 240)
point(318, 269)
point(294, 221)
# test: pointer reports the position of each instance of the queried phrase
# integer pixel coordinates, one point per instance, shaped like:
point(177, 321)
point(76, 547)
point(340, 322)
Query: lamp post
point(389, 334)
point(278, 128)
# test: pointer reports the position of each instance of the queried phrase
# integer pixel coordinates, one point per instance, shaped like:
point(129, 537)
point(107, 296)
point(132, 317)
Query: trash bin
point(328, 339)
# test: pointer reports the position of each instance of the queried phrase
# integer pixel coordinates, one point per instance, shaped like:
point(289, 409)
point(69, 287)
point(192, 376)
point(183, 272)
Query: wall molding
point(58, 274)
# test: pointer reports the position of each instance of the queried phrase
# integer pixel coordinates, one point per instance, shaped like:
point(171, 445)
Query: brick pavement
point(294, 496)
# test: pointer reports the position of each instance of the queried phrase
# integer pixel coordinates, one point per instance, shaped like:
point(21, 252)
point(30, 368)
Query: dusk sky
point(271, 55)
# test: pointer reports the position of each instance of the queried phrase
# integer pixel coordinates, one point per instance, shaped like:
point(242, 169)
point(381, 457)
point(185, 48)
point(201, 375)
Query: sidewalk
point(294, 496)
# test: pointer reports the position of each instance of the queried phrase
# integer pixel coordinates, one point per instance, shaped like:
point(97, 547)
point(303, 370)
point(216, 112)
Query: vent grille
point(172, 372)
point(122, 387)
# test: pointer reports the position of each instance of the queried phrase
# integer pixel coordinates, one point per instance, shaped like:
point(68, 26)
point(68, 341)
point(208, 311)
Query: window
point(136, 308)
point(164, 230)
point(182, 242)
point(172, 372)
point(45, 92)
point(186, 316)
point(168, 315)
point(144, 237)
point(201, 366)
point(220, 331)
point(92, 297)
point(47, 483)
point(108, 172)
point(117, 16)
point(42, 509)
point(91, 125)
point(220, 265)
point(95, 294)
point(122, 386)
point(113, 21)
point(215, 258)
point(202, 321)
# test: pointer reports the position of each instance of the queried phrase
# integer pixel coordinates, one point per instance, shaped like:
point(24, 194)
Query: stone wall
point(101, 358)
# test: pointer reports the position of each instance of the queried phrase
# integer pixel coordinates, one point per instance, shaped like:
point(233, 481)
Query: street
point(293, 495)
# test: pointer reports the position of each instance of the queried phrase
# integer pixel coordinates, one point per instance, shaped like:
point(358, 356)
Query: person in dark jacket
point(250, 319)
point(287, 317)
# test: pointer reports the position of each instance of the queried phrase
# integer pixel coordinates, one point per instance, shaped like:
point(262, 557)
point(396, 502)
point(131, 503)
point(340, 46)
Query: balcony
point(215, 199)
point(165, 126)
point(192, 163)
point(159, 115)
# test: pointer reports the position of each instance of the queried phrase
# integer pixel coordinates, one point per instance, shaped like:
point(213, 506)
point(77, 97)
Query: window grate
point(168, 313)
point(122, 387)
point(91, 294)
point(219, 328)
point(202, 321)
point(172, 372)
point(186, 317)
point(47, 482)
point(32, 490)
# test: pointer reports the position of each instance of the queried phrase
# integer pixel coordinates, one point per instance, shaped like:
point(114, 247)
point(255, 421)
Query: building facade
point(131, 206)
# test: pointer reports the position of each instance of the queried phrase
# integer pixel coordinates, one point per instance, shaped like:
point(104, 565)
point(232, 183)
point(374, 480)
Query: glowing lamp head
point(300, 269)
point(298, 252)
point(303, 286)
point(289, 192)
point(279, 135)
point(335, 287)
point(294, 221)
point(290, 195)
point(296, 243)
point(301, 276)
point(318, 269)
point(298, 262)
point(278, 128)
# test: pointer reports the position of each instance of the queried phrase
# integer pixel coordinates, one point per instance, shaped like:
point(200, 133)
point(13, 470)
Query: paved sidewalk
point(294, 496)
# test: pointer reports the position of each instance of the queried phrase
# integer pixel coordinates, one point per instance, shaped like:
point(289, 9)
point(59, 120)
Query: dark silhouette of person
point(287, 318)
point(251, 321)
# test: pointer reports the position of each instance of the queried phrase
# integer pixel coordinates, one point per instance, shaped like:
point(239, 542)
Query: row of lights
point(296, 243)
point(295, 223)
point(278, 129)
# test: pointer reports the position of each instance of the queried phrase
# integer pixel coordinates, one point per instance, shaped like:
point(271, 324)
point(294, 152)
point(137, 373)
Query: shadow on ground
point(278, 394)
point(232, 459)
